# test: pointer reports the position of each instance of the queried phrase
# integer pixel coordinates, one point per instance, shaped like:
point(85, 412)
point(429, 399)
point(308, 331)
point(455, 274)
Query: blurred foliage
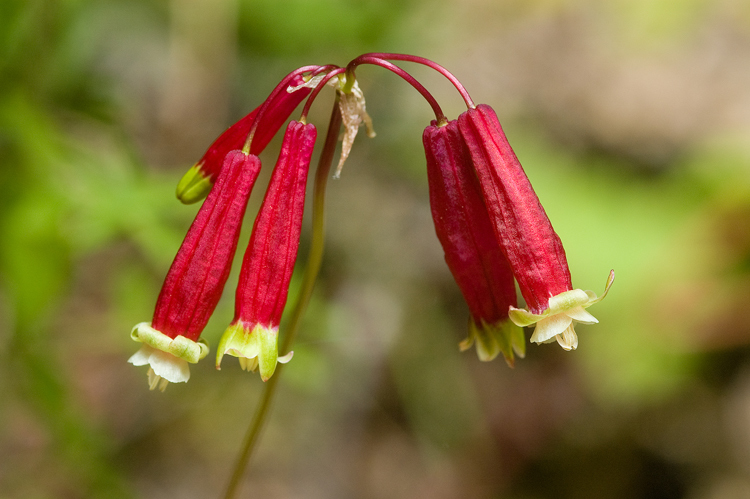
point(632, 121)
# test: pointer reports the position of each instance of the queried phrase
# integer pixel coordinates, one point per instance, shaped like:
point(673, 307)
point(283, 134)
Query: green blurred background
point(632, 118)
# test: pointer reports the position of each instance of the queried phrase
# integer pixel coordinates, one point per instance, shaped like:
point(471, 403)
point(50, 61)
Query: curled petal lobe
point(558, 321)
point(179, 346)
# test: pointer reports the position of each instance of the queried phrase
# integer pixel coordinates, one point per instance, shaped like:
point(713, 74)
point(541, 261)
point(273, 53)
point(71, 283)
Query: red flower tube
point(269, 259)
point(472, 253)
point(196, 183)
point(196, 278)
point(523, 230)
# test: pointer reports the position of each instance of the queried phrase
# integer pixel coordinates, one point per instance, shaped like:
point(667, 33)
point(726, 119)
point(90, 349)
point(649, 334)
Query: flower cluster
point(488, 219)
point(196, 279)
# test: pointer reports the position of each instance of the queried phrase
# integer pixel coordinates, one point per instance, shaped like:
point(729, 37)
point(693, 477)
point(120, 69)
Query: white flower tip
point(140, 358)
point(579, 314)
point(163, 367)
point(549, 327)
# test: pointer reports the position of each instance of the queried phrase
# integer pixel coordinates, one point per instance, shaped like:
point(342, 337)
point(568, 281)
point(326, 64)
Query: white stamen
point(249, 365)
point(155, 380)
point(568, 339)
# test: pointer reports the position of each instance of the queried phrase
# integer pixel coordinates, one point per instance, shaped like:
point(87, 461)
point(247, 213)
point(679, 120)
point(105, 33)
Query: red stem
point(318, 88)
point(377, 61)
point(421, 60)
point(281, 87)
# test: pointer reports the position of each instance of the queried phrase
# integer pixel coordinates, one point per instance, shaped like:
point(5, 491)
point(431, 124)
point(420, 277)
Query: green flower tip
point(557, 322)
point(256, 348)
point(166, 357)
point(491, 339)
point(194, 185)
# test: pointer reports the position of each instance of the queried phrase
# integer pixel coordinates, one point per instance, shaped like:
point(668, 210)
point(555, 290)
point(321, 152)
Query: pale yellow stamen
point(568, 339)
point(249, 365)
point(154, 381)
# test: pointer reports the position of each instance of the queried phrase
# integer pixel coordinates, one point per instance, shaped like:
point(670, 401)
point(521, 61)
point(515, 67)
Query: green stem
point(314, 260)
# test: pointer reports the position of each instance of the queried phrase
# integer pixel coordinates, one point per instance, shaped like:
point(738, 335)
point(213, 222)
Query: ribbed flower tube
point(269, 259)
point(196, 183)
point(472, 252)
point(196, 279)
point(522, 228)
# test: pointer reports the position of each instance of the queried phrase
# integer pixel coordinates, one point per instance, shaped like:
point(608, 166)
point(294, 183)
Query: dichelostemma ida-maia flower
point(488, 219)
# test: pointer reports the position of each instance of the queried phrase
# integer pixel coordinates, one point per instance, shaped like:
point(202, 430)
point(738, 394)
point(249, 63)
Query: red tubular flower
point(523, 230)
point(196, 278)
point(269, 259)
point(471, 250)
point(196, 183)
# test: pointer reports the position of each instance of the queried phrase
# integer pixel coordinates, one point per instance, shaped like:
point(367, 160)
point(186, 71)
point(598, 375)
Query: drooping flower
point(196, 278)
point(472, 253)
point(198, 180)
point(269, 259)
point(522, 228)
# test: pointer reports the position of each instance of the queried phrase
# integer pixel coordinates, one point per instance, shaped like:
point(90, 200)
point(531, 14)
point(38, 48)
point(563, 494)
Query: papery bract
point(269, 259)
